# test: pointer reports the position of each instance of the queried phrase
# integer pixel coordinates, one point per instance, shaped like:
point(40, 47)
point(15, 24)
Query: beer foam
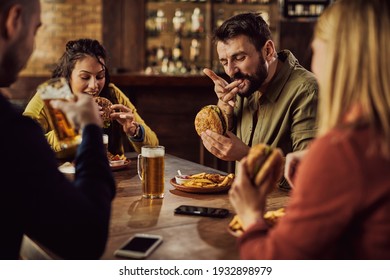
point(151, 153)
point(56, 88)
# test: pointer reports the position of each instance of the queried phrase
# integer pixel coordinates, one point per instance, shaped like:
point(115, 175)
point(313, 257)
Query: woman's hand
point(124, 116)
point(292, 162)
point(246, 199)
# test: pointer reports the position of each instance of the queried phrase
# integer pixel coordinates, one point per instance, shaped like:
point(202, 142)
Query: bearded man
point(270, 97)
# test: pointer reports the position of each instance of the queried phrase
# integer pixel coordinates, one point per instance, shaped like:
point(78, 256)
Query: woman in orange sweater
point(339, 206)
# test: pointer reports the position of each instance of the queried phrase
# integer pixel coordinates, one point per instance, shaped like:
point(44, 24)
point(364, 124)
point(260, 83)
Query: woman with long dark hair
point(84, 65)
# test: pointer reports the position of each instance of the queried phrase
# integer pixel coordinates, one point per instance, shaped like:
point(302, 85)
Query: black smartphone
point(202, 211)
point(139, 246)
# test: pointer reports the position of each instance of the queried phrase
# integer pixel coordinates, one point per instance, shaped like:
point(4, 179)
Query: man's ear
point(13, 22)
point(269, 50)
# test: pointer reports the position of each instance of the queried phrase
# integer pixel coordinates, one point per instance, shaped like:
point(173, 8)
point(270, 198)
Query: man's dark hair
point(251, 25)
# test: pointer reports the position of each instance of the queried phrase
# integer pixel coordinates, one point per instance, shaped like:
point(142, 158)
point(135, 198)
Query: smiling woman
point(83, 64)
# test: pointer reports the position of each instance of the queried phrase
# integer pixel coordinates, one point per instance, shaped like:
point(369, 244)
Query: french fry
point(209, 180)
point(213, 185)
point(115, 157)
point(198, 176)
point(235, 226)
point(227, 180)
point(271, 217)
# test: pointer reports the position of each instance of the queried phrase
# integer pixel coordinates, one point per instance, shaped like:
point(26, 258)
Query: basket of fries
point(205, 183)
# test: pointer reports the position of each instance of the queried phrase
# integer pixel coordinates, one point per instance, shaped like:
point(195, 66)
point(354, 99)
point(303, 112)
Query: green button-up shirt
point(285, 115)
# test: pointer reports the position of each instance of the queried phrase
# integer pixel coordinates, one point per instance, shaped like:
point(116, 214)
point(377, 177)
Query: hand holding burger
point(264, 164)
point(105, 110)
point(257, 175)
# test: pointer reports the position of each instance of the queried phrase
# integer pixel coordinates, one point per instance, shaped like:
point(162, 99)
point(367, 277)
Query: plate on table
point(205, 183)
point(69, 168)
point(117, 165)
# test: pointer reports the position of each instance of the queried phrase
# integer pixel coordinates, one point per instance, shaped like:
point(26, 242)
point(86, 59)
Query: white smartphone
point(139, 246)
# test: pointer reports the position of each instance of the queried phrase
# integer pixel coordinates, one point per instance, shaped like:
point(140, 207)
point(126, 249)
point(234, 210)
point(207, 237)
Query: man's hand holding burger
point(211, 124)
point(226, 147)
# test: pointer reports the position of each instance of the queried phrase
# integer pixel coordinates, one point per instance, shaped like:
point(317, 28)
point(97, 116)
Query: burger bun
point(265, 164)
point(211, 117)
point(105, 104)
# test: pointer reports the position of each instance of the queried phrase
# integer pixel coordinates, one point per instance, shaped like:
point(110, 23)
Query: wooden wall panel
point(123, 34)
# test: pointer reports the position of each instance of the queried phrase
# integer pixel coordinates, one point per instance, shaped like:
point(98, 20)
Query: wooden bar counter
point(184, 237)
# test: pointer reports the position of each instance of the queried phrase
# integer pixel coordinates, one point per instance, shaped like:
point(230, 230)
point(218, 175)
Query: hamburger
point(211, 117)
point(265, 163)
point(105, 104)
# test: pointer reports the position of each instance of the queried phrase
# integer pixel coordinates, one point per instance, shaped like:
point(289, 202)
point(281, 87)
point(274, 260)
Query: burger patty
point(106, 107)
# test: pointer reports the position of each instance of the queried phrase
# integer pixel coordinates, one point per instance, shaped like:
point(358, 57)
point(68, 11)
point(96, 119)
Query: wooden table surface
point(184, 237)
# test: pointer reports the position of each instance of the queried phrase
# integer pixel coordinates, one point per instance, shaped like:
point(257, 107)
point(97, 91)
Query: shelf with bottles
point(182, 56)
point(193, 22)
point(213, 1)
point(223, 11)
point(172, 18)
point(176, 33)
point(304, 8)
point(175, 17)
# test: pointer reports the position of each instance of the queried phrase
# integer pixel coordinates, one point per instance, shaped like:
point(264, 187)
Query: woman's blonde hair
point(357, 34)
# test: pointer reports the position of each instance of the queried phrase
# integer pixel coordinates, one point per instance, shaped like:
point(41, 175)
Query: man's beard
point(9, 68)
point(255, 81)
point(14, 59)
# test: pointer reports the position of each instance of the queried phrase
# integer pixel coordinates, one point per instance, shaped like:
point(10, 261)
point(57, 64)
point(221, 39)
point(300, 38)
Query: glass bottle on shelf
point(177, 56)
point(150, 24)
point(160, 53)
point(167, 62)
point(194, 55)
point(177, 52)
point(194, 50)
point(220, 18)
point(161, 21)
point(197, 21)
point(178, 21)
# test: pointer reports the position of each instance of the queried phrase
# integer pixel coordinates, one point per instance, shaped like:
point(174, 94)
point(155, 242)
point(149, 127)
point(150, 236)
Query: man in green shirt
point(270, 99)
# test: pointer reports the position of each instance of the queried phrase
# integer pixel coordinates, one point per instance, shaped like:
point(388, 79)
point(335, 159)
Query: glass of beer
point(58, 89)
point(150, 167)
point(105, 142)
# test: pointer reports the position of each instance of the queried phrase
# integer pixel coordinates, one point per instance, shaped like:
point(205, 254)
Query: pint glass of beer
point(58, 89)
point(150, 166)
